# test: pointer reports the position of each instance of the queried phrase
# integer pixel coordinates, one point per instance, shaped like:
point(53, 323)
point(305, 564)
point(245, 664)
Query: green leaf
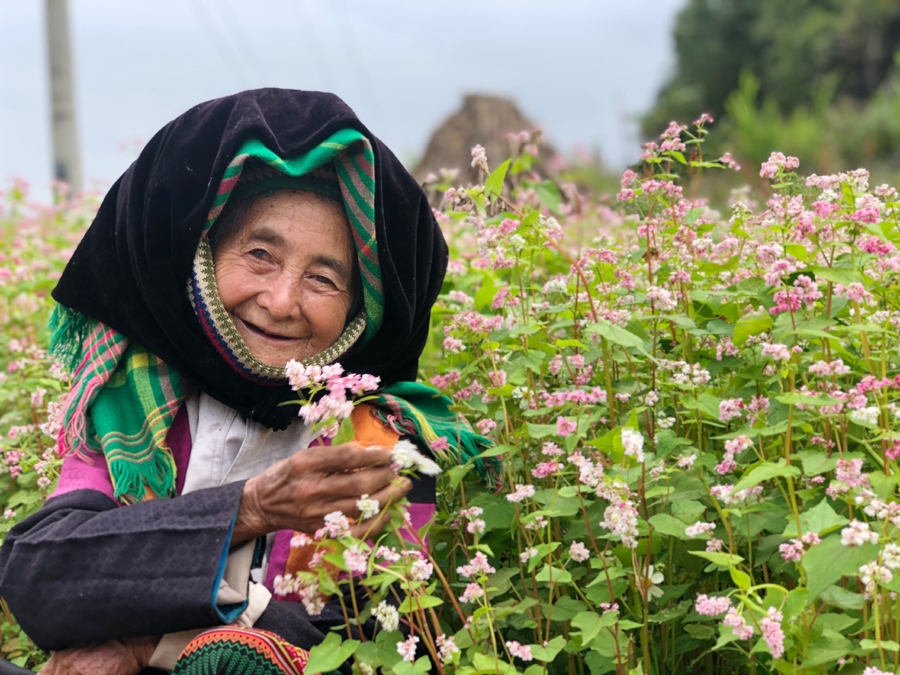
point(751, 324)
point(828, 647)
point(455, 474)
point(719, 327)
point(795, 602)
point(329, 654)
point(591, 623)
point(699, 631)
point(414, 602)
point(820, 519)
point(671, 613)
point(493, 186)
point(548, 653)
point(741, 579)
point(567, 607)
point(816, 462)
point(827, 562)
point(497, 451)
point(764, 472)
point(626, 624)
point(889, 645)
point(554, 575)
point(798, 251)
point(549, 194)
point(617, 334)
point(793, 398)
point(490, 664)
point(540, 430)
point(499, 513)
point(882, 485)
point(839, 597)
point(721, 559)
point(706, 403)
point(837, 276)
point(345, 432)
point(669, 525)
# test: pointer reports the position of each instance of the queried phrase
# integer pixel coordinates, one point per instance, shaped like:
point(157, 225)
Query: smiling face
point(285, 276)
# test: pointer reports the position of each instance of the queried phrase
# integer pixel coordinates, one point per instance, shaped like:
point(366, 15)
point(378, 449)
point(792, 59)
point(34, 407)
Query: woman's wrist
point(250, 522)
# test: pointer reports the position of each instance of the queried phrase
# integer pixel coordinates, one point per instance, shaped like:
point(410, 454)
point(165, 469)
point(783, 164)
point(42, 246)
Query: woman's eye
point(259, 254)
point(323, 280)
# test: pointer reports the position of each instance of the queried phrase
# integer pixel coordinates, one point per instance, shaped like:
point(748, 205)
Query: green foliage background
point(813, 78)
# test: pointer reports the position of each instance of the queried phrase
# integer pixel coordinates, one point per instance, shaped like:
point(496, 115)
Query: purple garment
point(91, 472)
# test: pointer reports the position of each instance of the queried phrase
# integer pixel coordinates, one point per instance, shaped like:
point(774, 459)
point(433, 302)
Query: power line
point(235, 27)
point(307, 30)
point(220, 42)
point(362, 75)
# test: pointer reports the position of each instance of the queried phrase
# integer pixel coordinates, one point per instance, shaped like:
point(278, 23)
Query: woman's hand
point(298, 492)
point(116, 657)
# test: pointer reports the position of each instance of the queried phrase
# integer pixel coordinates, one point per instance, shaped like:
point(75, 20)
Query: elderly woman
point(252, 230)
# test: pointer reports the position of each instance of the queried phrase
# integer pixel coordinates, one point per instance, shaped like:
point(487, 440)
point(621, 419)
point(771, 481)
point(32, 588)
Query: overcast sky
point(582, 69)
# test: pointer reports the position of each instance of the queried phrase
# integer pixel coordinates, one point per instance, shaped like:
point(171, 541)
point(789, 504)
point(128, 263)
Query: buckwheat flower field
point(694, 418)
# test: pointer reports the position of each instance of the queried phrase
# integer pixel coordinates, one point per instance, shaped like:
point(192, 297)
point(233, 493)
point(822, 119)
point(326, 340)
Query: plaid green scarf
point(423, 412)
point(122, 402)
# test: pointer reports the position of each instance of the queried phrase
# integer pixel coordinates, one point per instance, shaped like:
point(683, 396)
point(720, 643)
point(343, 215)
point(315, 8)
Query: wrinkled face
point(285, 276)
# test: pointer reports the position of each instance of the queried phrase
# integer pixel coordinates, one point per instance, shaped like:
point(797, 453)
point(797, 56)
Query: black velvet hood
point(132, 267)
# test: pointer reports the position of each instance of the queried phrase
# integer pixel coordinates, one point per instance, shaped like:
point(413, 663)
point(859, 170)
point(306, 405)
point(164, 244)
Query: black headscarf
point(131, 269)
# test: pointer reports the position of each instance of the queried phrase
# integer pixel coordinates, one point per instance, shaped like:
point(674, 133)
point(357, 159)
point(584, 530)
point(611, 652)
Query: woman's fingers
point(365, 482)
point(392, 493)
point(346, 457)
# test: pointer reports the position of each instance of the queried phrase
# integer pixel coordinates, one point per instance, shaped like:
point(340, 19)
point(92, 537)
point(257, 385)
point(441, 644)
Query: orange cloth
point(368, 430)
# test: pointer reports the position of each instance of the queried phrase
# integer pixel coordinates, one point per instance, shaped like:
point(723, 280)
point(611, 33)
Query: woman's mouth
point(261, 332)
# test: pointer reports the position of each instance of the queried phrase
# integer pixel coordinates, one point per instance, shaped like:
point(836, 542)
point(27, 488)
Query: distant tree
point(794, 48)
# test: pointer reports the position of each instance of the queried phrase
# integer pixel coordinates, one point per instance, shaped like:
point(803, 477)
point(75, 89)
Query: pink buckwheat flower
point(770, 626)
point(633, 443)
point(453, 345)
point(708, 606)
point(336, 526)
point(579, 552)
point(479, 158)
point(472, 593)
point(521, 492)
point(356, 559)
point(741, 629)
point(407, 648)
point(476, 566)
point(545, 469)
point(858, 533)
point(730, 408)
point(621, 518)
point(446, 647)
point(486, 426)
point(699, 528)
point(519, 651)
point(565, 427)
point(777, 351)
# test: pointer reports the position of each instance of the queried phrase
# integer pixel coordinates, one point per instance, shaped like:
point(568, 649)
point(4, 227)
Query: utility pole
point(66, 161)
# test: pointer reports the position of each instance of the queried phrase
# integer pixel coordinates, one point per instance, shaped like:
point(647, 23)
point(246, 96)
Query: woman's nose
point(281, 299)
